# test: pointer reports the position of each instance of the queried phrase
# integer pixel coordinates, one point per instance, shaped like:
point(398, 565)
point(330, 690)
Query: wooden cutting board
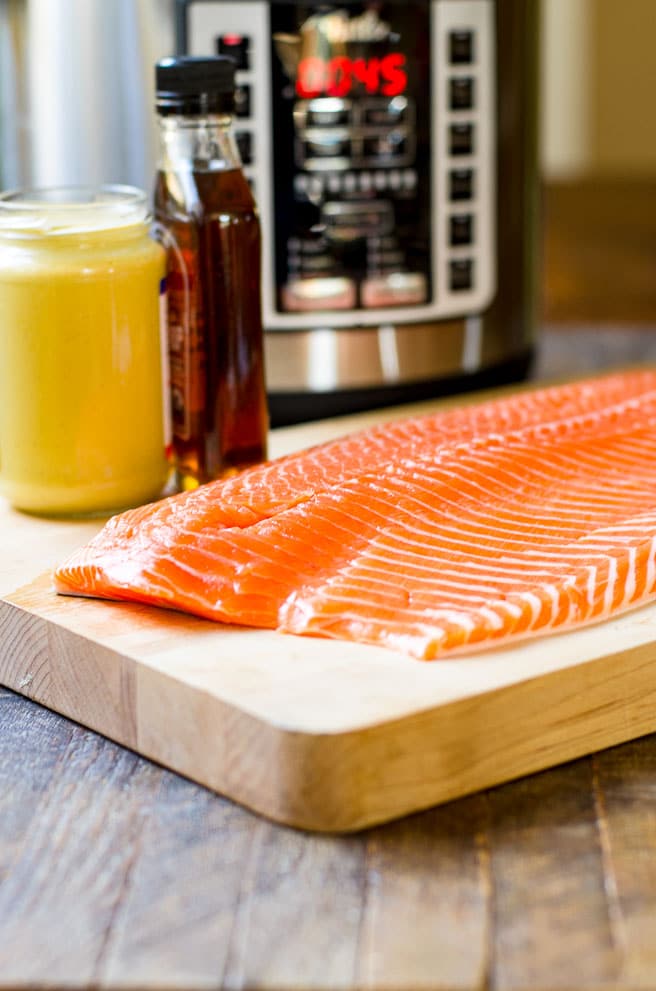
point(317, 734)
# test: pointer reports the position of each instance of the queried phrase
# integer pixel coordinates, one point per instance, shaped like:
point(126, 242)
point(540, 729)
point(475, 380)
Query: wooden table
point(117, 874)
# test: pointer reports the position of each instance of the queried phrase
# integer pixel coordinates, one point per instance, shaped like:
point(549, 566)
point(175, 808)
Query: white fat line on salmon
point(502, 519)
point(610, 582)
point(568, 586)
point(535, 605)
point(618, 536)
point(455, 533)
point(422, 606)
point(621, 459)
point(630, 584)
point(362, 609)
point(420, 591)
point(632, 538)
point(632, 449)
point(570, 554)
point(534, 458)
point(500, 523)
point(493, 618)
point(469, 572)
point(552, 592)
point(513, 610)
point(467, 575)
point(468, 578)
point(467, 547)
point(303, 610)
point(444, 483)
point(336, 530)
point(527, 563)
point(633, 526)
point(591, 584)
point(420, 603)
point(584, 424)
point(465, 569)
point(525, 481)
point(651, 566)
point(526, 503)
point(532, 473)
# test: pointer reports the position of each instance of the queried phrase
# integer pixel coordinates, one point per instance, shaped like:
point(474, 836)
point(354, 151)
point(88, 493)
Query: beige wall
point(624, 86)
point(599, 87)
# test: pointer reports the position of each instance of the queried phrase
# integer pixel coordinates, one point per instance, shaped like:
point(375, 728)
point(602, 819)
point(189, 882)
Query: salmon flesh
point(437, 534)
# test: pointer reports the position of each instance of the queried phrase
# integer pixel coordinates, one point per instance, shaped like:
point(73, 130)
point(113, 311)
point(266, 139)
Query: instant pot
point(391, 146)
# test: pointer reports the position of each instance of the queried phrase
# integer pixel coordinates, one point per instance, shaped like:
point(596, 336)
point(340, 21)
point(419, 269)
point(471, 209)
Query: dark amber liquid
point(219, 410)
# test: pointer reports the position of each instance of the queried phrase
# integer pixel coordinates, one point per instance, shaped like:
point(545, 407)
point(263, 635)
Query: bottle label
point(166, 369)
point(185, 341)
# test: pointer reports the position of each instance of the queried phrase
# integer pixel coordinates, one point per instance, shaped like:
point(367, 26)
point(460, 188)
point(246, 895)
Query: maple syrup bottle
point(208, 222)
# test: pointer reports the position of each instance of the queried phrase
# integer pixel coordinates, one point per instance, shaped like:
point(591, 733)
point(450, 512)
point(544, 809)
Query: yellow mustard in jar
point(82, 415)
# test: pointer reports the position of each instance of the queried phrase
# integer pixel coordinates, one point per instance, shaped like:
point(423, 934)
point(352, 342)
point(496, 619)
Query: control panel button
point(386, 112)
point(348, 221)
point(461, 47)
point(461, 93)
point(319, 263)
point(242, 101)
point(312, 245)
point(461, 139)
point(385, 261)
point(461, 274)
point(323, 112)
point(237, 46)
point(461, 184)
point(327, 144)
point(244, 141)
point(394, 289)
point(386, 146)
point(461, 229)
point(319, 293)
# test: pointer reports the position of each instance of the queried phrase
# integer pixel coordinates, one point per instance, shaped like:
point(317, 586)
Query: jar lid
point(72, 209)
point(189, 84)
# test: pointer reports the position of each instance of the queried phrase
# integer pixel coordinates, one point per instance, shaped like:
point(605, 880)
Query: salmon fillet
point(431, 535)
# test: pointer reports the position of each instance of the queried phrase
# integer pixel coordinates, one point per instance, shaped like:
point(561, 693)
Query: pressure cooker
point(391, 146)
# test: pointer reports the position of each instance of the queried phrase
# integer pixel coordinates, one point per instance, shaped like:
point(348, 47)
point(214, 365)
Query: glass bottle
point(209, 224)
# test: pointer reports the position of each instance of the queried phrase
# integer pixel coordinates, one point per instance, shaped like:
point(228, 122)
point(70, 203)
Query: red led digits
point(393, 72)
point(311, 78)
point(340, 75)
point(368, 72)
point(340, 71)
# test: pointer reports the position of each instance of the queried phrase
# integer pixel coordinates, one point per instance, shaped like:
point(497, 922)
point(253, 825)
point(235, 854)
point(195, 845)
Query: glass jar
point(82, 401)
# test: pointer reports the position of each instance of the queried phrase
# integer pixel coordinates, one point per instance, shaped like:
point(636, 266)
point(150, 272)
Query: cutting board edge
point(281, 724)
point(342, 782)
point(31, 604)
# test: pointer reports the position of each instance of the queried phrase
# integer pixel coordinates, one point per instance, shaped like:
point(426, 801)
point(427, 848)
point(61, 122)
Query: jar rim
point(72, 209)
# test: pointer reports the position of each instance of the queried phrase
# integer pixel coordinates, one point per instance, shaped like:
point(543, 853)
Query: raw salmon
point(435, 534)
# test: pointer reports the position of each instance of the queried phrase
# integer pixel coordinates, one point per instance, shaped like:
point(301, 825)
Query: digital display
point(340, 75)
point(353, 209)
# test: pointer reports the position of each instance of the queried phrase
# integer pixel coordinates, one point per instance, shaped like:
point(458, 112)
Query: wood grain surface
point(116, 874)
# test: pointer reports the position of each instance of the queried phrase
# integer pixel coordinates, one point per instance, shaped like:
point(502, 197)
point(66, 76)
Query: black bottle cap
point(189, 84)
